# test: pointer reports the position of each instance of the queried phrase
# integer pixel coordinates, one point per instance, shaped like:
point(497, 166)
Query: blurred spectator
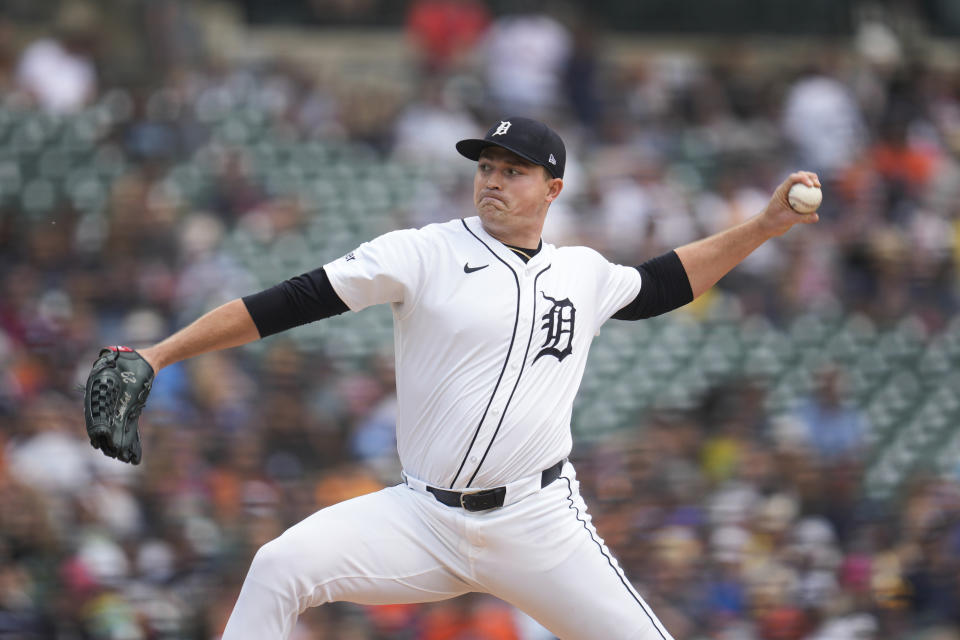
point(905, 165)
point(46, 437)
point(835, 427)
point(824, 123)
point(524, 57)
point(474, 617)
point(59, 72)
point(445, 31)
point(642, 212)
point(581, 77)
point(8, 58)
point(424, 128)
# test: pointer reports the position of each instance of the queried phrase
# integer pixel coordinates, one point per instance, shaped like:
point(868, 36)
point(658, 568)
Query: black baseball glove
point(116, 391)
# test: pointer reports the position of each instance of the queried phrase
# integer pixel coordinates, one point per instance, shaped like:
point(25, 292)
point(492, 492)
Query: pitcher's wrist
point(152, 356)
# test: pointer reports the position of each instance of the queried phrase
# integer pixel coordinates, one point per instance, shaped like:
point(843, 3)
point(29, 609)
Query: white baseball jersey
point(490, 350)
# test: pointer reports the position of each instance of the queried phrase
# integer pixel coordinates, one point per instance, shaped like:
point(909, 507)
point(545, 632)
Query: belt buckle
point(463, 495)
point(482, 500)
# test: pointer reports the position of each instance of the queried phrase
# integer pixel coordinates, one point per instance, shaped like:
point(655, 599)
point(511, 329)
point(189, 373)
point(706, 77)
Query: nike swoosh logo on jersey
point(468, 269)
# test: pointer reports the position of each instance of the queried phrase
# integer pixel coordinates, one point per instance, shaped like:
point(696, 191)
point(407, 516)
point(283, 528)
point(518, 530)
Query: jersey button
point(473, 458)
point(494, 412)
point(515, 366)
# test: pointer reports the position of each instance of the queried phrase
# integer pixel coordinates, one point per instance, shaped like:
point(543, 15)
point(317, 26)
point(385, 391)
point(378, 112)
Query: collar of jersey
point(505, 253)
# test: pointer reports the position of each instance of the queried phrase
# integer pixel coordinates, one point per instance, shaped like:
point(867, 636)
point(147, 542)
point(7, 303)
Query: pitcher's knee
point(294, 574)
point(275, 565)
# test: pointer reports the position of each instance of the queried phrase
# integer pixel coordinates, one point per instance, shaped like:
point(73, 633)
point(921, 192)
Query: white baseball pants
point(541, 554)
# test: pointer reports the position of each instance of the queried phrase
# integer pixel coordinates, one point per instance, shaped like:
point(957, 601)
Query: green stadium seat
point(54, 163)
point(808, 330)
point(233, 131)
point(88, 195)
point(10, 178)
point(39, 196)
point(109, 162)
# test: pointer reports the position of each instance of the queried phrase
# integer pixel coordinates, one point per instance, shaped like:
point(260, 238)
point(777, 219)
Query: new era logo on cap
point(530, 139)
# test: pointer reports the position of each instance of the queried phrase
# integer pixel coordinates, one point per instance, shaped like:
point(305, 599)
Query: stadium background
point(779, 460)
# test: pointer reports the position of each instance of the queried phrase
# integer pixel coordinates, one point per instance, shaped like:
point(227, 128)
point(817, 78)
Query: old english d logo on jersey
point(559, 322)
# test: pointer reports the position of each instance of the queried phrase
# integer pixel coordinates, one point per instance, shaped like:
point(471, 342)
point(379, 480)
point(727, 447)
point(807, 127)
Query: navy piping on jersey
point(653, 620)
point(503, 414)
point(516, 320)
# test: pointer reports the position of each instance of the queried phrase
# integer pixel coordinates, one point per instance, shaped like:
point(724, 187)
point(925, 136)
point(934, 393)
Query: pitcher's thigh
point(584, 598)
point(552, 564)
point(374, 549)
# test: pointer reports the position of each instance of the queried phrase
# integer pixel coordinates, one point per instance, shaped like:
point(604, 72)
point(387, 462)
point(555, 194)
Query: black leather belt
point(488, 498)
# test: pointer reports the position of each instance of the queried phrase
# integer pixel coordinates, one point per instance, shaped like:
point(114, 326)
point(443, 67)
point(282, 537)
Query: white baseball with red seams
point(804, 199)
point(490, 352)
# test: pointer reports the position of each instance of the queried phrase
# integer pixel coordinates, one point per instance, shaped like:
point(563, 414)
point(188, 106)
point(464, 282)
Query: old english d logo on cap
point(530, 139)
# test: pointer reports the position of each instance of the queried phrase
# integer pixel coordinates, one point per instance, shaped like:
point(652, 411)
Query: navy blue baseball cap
point(530, 139)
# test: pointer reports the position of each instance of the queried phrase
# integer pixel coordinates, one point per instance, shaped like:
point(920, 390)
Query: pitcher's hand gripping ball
point(804, 199)
point(116, 391)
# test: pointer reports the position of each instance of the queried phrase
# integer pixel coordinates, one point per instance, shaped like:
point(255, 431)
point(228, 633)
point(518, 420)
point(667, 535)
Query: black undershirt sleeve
point(664, 287)
point(294, 302)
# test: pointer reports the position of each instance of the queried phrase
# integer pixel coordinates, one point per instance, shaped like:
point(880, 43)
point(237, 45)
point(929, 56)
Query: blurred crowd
point(731, 524)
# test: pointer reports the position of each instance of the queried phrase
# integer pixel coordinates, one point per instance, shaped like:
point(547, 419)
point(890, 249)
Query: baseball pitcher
point(492, 330)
